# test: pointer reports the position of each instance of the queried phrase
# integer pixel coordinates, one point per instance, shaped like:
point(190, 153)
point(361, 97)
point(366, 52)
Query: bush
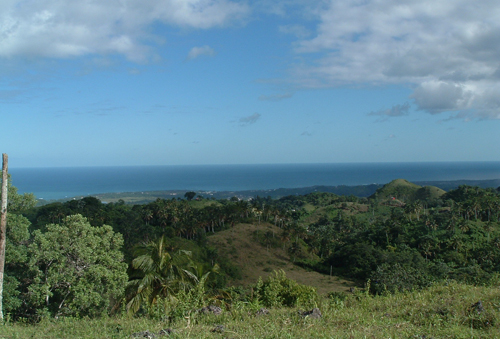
point(398, 278)
point(278, 290)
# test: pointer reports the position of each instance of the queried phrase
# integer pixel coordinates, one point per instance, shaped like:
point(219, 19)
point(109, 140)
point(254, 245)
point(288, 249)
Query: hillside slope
point(240, 244)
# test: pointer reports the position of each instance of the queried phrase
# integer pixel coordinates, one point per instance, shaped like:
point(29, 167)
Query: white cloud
point(447, 50)
point(62, 29)
point(199, 51)
point(439, 96)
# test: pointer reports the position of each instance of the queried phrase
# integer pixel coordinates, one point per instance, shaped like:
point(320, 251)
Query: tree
point(158, 273)
point(76, 269)
point(3, 228)
point(190, 195)
point(17, 235)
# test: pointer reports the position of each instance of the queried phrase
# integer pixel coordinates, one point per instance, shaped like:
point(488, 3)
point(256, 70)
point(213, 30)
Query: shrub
point(278, 290)
point(398, 278)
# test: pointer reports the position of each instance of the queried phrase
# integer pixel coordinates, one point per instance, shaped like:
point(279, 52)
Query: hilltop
point(404, 191)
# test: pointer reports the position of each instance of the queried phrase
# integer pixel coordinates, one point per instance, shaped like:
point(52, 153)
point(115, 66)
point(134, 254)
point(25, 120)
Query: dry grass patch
point(256, 260)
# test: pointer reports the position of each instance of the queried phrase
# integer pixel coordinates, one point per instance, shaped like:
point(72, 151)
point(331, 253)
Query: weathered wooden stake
point(3, 227)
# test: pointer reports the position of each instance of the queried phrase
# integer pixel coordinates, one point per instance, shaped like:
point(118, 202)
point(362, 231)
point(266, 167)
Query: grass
point(257, 260)
point(442, 311)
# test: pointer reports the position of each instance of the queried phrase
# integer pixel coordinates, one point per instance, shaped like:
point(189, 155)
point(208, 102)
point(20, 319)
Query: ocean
point(59, 183)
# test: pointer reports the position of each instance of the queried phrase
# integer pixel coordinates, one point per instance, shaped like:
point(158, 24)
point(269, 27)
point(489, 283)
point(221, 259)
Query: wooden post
point(3, 227)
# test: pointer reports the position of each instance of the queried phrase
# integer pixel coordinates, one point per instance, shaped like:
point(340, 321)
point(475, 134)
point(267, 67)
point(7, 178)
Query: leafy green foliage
point(158, 274)
point(398, 278)
point(278, 290)
point(15, 252)
point(16, 255)
point(76, 269)
point(418, 238)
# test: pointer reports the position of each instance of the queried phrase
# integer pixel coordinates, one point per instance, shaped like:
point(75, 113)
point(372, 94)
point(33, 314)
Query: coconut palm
point(158, 273)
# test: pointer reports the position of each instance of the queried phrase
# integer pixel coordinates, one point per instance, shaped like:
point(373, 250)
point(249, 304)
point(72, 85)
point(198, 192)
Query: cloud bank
point(447, 51)
point(63, 29)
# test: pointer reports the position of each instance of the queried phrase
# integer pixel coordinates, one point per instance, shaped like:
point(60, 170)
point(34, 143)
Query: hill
point(404, 191)
point(429, 193)
point(243, 245)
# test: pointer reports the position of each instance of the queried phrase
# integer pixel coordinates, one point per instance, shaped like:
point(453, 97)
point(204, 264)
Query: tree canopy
point(76, 269)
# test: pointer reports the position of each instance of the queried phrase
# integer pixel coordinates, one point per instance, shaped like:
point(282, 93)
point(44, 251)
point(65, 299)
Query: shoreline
point(142, 197)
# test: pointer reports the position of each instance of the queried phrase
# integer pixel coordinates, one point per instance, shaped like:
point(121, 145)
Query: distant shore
point(143, 197)
point(264, 179)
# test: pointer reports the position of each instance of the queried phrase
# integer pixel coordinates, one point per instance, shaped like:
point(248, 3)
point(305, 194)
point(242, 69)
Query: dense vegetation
point(85, 258)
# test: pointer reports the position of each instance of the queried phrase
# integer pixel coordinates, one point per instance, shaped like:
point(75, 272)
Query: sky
point(187, 82)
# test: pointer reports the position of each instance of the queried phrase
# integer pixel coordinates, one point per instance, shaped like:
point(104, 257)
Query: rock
point(218, 329)
point(315, 313)
point(151, 335)
point(211, 309)
point(478, 307)
point(262, 311)
point(143, 334)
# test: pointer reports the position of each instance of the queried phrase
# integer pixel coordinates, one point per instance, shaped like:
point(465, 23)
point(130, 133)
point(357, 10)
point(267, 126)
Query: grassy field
point(260, 258)
point(443, 311)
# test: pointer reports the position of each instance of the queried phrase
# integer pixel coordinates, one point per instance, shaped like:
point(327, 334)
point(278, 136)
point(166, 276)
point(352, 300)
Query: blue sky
point(176, 82)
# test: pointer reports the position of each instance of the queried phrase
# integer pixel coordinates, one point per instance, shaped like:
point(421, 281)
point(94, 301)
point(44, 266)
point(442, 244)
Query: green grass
point(442, 311)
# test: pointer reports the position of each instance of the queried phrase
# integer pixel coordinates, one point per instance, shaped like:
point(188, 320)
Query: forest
point(86, 259)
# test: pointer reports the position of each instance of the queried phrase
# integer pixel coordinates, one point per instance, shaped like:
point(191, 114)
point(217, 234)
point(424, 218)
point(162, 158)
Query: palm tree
point(286, 235)
point(147, 215)
point(157, 273)
point(489, 205)
point(464, 226)
point(408, 209)
point(456, 243)
point(417, 208)
point(475, 205)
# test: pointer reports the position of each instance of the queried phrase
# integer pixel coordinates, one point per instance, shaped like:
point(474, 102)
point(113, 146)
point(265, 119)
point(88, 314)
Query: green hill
point(428, 193)
point(404, 191)
point(399, 189)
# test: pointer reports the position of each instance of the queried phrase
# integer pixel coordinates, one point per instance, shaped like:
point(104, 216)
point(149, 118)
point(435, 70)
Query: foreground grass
point(443, 311)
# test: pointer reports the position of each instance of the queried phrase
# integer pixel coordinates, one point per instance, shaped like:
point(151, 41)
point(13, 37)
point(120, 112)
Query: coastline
point(142, 197)
point(66, 183)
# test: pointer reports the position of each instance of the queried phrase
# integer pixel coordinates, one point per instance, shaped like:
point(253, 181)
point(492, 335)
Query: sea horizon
point(52, 183)
point(264, 164)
